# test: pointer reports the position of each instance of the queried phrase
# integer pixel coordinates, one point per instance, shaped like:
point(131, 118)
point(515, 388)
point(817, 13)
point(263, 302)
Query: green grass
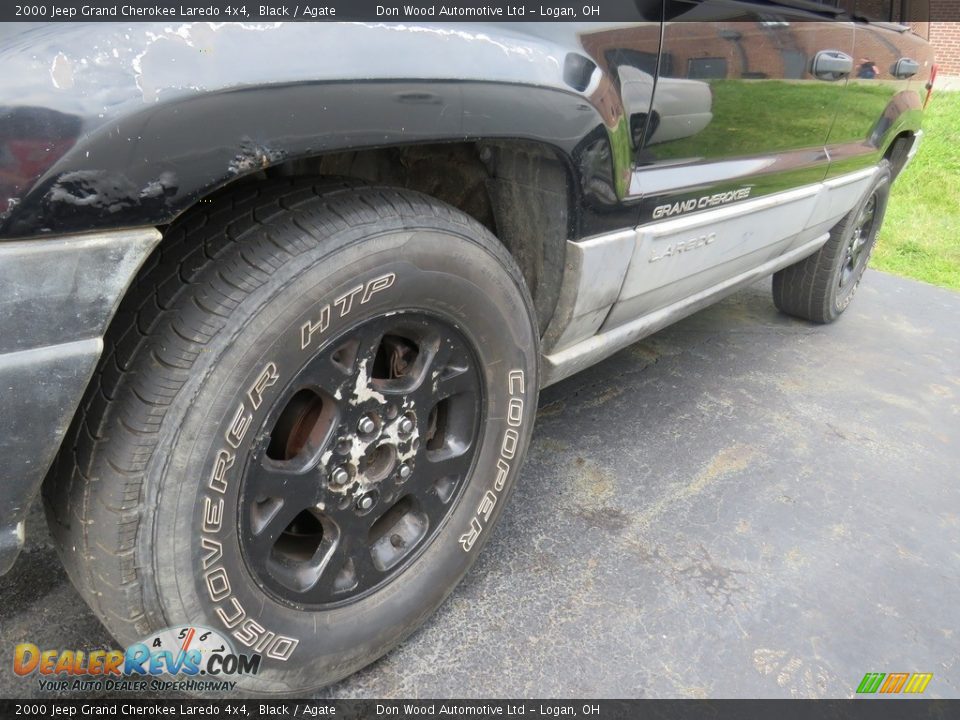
point(921, 234)
point(772, 115)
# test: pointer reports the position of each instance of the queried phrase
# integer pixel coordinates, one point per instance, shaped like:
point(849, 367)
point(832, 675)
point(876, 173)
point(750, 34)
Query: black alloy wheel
point(861, 239)
point(360, 459)
point(820, 287)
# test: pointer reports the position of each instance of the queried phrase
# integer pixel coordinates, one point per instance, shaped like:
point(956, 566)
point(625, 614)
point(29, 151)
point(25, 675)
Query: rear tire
point(820, 287)
point(286, 333)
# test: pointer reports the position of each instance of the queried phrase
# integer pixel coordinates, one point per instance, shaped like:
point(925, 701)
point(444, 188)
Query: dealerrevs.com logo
point(192, 659)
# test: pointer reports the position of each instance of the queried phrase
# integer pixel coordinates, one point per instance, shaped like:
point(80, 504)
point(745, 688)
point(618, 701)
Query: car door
point(742, 108)
point(892, 66)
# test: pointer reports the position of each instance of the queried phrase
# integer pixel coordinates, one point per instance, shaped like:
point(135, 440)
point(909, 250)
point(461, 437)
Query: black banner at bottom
point(875, 709)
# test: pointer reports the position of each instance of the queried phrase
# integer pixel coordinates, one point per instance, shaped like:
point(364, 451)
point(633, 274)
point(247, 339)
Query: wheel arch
point(898, 151)
point(158, 117)
point(522, 191)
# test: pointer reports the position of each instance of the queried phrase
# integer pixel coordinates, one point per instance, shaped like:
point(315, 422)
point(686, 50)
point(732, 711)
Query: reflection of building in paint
point(681, 107)
point(758, 50)
point(935, 20)
point(943, 32)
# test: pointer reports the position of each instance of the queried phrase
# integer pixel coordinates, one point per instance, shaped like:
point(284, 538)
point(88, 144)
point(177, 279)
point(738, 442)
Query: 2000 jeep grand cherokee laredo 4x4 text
point(277, 300)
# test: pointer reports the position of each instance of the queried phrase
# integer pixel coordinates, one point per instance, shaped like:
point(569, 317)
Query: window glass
point(706, 68)
point(876, 9)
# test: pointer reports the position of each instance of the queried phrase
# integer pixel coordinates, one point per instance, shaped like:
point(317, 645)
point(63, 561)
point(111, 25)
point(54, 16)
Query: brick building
point(945, 38)
point(943, 29)
point(943, 32)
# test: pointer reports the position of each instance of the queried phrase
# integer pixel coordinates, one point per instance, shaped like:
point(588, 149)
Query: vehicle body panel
point(57, 298)
point(658, 257)
point(878, 105)
point(104, 127)
point(107, 127)
point(754, 60)
point(133, 124)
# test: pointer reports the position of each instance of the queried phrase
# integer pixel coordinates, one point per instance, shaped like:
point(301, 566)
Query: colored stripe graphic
point(870, 683)
point(918, 682)
point(894, 682)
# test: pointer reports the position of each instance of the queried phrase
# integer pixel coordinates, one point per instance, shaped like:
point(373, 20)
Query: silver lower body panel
point(560, 365)
point(623, 286)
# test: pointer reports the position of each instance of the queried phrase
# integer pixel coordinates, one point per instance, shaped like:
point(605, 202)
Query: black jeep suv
point(277, 299)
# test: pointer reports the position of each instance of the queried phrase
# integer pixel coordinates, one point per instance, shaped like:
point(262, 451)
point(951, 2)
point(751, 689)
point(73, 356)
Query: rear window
point(884, 10)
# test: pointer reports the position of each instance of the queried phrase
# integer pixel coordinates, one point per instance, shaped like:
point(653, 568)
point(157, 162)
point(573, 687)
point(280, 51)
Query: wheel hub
point(360, 460)
point(855, 254)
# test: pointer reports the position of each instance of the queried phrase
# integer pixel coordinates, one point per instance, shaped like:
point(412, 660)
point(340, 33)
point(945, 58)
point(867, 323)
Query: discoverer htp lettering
point(230, 611)
point(229, 608)
point(343, 304)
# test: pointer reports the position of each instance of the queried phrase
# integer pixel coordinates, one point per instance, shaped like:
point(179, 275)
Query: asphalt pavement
point(742, 505)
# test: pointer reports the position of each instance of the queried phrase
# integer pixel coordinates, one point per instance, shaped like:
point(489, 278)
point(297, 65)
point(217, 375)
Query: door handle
point(832, 65)
point(906, 68)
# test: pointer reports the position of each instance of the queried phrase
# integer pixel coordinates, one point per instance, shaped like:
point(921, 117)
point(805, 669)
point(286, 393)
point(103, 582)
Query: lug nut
point(406, 426)
point(339, 476)
point(366, 425)
point(365, 503)
point(405, 472)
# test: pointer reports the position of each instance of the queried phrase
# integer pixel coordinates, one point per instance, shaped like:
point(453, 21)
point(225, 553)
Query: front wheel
point(305, 431)
point(820, 287)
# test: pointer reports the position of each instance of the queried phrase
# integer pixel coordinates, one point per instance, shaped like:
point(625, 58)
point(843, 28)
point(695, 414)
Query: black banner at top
point(900, 11)
point(328, 10)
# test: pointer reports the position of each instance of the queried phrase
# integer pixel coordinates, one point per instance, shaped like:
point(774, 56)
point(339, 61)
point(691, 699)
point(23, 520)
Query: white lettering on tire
point(345, 304)
point(516, 383)
point(228, 608)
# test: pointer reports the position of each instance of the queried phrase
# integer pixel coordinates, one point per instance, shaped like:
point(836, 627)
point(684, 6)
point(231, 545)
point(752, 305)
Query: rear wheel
point(303, 433)
point(820, 287)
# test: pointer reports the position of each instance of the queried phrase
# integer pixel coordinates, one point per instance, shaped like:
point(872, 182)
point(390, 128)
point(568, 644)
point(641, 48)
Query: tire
point(820, 287)
point(240, 376)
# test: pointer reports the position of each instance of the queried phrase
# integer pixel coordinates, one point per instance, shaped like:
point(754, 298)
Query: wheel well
point(897, 151)
point(519, 190)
